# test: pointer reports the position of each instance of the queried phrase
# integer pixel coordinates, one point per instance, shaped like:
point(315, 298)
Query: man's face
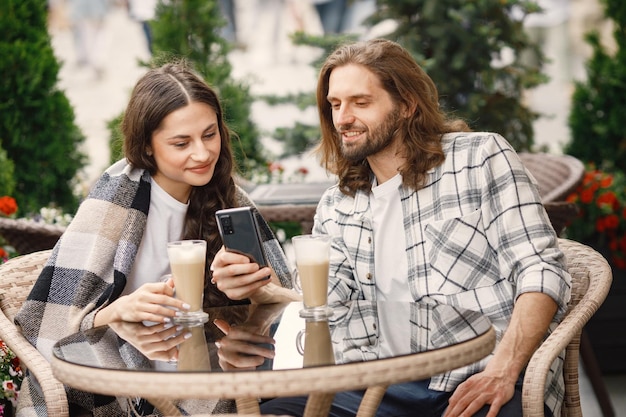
point(363, 112)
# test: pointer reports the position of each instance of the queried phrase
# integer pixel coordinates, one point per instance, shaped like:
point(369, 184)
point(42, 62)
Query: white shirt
point(391, 271)
point(390, 263)
point(165, 224)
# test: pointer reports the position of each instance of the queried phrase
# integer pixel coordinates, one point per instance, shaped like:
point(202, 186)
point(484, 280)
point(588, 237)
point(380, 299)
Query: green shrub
point(7, 182)
point(37, 127)
point(599, 103)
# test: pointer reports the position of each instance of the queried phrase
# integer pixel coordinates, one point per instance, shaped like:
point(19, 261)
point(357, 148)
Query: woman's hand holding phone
point(237, 276)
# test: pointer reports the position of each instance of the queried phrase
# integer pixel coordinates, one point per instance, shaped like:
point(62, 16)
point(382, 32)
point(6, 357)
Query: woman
point(106, 267)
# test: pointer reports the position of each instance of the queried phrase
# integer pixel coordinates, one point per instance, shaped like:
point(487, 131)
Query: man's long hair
point(409, 86)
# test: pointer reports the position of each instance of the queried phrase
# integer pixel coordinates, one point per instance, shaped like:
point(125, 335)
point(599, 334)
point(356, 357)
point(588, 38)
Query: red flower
point(15, 363)
point(611, 221)
point(8, 206)
point(609, 198)
point(601, 200)
point(589, 177)
point(586, 196)
point(3, 253)
point(606, 181)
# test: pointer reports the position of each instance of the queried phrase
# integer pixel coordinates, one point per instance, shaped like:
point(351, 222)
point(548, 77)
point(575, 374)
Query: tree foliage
point(190, 29)
point(37, 127)
point(474, 52)
point(599, 102)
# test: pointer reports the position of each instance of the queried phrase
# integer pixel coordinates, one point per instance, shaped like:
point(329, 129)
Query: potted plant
point(598, 138)
point(11, 376)
point(601, 199)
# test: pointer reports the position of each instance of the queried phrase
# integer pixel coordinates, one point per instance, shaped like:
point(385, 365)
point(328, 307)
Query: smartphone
point(240, 233)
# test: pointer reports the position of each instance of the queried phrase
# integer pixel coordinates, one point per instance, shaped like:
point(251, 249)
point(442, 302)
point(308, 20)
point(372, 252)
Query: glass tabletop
point(357, 331)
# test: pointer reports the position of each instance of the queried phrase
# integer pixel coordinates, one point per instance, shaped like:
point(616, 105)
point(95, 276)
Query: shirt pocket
point(459, 256)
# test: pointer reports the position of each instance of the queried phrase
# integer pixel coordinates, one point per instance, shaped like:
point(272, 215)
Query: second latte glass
point(312, 259)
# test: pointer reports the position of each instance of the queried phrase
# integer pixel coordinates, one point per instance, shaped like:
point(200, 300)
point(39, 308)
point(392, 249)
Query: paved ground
point(97, 101)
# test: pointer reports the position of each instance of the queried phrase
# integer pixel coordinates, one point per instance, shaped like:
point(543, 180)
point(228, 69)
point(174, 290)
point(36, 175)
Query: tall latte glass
point(312, 258)
point(187, 261)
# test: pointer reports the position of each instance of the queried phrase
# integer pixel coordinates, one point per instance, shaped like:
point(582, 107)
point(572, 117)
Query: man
point(475, 232)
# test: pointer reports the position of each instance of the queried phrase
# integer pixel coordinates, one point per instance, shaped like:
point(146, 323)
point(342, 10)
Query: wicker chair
point(591, 281)
point(28, 236)
point(300, 213)
point(557, 177)
point(17, 277)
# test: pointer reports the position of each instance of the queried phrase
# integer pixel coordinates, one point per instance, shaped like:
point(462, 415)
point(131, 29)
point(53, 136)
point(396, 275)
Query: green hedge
point(37, 127)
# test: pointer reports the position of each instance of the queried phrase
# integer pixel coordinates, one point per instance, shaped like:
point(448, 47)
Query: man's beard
point(375, 141)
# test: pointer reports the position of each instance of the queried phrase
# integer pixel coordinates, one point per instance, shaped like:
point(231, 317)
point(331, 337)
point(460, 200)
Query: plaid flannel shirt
point(476, 237)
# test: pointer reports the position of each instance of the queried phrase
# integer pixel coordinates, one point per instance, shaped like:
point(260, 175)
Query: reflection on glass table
point(261, 351)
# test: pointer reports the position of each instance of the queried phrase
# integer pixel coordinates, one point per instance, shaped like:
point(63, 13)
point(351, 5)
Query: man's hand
point(530, 320)
point(477, 391)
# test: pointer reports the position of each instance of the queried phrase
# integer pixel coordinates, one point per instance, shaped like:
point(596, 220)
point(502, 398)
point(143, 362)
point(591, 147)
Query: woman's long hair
point(408, 85)
point(157, 94)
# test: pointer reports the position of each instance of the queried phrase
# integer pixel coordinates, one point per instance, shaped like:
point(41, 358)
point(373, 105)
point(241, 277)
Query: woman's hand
point(158, 342)
point(153, 302)
point(237, 277)
point(241, 348)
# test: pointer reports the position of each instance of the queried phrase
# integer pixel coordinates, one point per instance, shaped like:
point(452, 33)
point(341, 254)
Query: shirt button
point(368, 276)
point(369, 239)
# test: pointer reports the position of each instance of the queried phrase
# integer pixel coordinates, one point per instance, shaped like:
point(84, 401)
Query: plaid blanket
point(87, 270)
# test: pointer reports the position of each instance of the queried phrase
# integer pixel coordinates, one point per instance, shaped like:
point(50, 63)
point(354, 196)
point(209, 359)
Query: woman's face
point(186, 147)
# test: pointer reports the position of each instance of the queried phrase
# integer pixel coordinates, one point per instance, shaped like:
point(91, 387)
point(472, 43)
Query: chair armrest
point(581, 260)
point(53, 390)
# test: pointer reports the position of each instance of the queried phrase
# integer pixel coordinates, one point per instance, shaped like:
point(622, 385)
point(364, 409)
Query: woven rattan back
point(300, 213)
point(17, 277)
point(28, 236)
point(591, 281)
point(557, 175)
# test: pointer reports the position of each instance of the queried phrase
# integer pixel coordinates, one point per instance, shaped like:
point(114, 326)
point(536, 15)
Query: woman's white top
point(165, 223)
